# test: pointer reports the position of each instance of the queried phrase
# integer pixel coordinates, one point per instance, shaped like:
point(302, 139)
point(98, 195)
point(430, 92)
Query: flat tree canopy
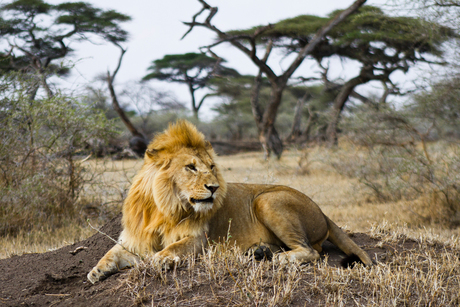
point(39, 33)
point(369, 32)
point(194, 69)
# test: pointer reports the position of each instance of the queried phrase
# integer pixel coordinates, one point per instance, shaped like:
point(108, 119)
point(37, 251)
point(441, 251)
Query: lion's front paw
point(96, 275)
point(165, 260)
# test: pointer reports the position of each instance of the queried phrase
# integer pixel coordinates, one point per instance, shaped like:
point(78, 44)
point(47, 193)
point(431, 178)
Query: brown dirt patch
point(58, 278)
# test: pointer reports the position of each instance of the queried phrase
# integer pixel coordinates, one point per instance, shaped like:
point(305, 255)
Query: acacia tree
point(39, 33)
point(196, 70)
point(247, 43)
point(382, 44)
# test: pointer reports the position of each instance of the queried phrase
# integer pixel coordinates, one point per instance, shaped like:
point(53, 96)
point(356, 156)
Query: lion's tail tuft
point(342, 241)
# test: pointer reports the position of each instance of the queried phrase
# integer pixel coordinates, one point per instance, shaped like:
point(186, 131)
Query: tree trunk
point(268, 135)
point(45, 85)
point(119, 110)
point(138, 143)
point(192, 95)
point(295, 129)
point(255, 106)
point(305, 135)
point(339, 104)
point(195, 114)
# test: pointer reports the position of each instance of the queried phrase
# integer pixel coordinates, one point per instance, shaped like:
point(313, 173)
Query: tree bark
point(305, 136)
point(45, 85)
point(191, 90)
point(339, 104)
point(255, 106)
point(268, 135)
point(119, 109)
point(295, 129)
point(138, 143)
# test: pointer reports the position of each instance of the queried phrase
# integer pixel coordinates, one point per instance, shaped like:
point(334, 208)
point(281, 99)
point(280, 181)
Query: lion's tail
point(342, 241)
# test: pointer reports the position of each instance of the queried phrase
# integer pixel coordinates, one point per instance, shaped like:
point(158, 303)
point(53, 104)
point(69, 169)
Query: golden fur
point(179, 199)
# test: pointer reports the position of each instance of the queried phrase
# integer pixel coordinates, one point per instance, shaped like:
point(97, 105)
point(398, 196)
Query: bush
point(42, 142)
point(399, 163)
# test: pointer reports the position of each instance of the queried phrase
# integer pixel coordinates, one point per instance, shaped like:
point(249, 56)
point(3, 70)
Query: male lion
point(179, 201)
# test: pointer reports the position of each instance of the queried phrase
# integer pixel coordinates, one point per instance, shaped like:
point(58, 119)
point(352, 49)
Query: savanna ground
point(417, 261)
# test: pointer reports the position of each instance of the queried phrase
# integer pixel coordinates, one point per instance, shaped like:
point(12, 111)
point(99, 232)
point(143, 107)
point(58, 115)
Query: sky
point(156, 29)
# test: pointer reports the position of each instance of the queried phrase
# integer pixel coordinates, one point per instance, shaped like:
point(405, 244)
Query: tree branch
point(443, 3)
point(116, 105)
point(224, 37)
point(202, 100)
point(193, 23)
point(318, 37)
point(123, 51)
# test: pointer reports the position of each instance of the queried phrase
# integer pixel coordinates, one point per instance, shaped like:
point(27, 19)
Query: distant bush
point(395, 160)
point(42, 141)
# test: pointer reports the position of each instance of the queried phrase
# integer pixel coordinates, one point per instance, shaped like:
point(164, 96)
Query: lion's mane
point(153, 214)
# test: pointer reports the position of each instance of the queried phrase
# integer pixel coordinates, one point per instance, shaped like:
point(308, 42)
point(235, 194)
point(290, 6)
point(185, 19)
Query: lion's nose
point(211, 188)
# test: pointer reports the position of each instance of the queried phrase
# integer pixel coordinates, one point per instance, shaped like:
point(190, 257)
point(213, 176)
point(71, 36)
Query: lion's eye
point(212, 167)
point(191, 167)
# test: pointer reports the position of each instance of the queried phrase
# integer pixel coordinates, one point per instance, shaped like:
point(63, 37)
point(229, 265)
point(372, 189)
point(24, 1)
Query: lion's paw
point(165, 260)
point(96, 275)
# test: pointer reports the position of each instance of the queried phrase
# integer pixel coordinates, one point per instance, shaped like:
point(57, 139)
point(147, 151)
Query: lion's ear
point(151, 153)
point(208, 145)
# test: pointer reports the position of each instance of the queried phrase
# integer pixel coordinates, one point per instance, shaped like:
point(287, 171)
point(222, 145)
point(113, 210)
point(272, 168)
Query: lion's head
point(179, 179)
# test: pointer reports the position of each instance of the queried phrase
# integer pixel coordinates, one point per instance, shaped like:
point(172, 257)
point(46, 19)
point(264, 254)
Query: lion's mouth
point(206, 200)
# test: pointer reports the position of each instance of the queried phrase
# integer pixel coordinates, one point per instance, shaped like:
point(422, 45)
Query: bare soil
point(58, 278)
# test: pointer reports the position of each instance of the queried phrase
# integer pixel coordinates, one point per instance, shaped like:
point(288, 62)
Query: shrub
point(42, 142)
point(397, 162)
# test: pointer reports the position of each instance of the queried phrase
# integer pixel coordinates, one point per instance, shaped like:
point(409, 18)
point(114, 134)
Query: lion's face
point(195, 180)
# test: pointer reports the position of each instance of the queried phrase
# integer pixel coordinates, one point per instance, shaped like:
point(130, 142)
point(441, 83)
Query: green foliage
point(29, 8)
point(184, 62)
point(42, 32)
point(441, 105)
point(86, 18)
point(194, 68)
point(41, 140)
point(369, 36)
point(301, 28)
point(235, 117)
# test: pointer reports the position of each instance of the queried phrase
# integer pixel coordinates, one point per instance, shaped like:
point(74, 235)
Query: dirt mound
point(58, 278)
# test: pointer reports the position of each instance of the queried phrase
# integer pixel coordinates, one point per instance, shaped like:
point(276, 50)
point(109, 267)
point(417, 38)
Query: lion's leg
point(172, 254)
point(291, 234)
point(285, 216)
point(116, 259)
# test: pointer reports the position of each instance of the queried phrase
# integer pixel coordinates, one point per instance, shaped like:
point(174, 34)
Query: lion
point(179, 202)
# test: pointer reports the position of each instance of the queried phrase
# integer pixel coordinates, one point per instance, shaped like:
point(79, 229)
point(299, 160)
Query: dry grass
point(99, 201)
point(42, 240)
point(428, 275)
point(338, 196)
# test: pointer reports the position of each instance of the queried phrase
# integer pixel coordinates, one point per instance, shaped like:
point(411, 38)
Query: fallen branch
point(80, 248)
point(116, 242)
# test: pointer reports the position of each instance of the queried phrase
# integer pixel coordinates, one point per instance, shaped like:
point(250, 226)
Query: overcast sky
point(156, 29)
